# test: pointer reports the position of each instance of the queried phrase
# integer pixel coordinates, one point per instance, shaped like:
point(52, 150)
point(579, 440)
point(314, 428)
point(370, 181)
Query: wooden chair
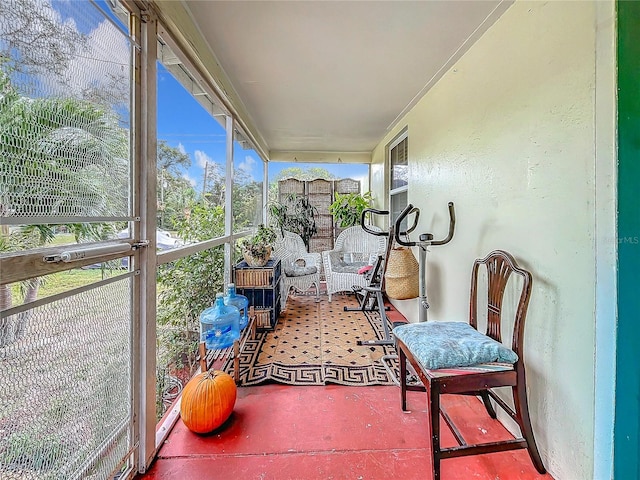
point(431, 349)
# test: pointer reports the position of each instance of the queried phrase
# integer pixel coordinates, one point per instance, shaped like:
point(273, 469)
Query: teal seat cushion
point(451, 344)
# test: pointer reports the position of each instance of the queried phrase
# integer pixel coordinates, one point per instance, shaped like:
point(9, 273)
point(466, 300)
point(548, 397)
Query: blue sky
point(182, 122)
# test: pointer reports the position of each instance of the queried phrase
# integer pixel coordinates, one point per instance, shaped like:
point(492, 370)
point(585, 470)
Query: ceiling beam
point(319, 157)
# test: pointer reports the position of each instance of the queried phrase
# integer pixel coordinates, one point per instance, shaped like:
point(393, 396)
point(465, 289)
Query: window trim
point(402, 136)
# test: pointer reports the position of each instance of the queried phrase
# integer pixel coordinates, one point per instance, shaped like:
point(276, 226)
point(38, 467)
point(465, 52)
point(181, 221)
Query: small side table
point(261, 286)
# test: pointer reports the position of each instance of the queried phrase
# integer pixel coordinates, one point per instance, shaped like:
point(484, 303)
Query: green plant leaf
point(347, 208)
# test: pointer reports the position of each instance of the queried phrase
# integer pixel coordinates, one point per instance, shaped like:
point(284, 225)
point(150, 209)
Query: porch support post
point(265, 191)
point(144, 364)
point(228, 201)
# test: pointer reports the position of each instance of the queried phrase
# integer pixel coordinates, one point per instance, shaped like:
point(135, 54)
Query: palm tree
point(60, 157)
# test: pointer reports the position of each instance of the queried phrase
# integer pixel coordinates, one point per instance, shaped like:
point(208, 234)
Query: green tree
point(36, 42)
point(188, 286)
point(173, 191)
point(246, 200)
point(171, 159)
point(307, 173)
point(179, 195)
point(60, 157)
point(195, 279)
point(213, 184)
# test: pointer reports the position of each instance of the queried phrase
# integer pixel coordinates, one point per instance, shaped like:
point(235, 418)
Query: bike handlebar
point(411, 209)
point(452, 226)
point(384, 212)
point(374, 212)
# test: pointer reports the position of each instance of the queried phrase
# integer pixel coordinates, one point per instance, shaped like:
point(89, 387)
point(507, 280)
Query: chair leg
point(403, 378)
point(484, 395)
point(522, 412)
point(434, 417)
point(383, 316)
point(317, 284)
point(284, 294)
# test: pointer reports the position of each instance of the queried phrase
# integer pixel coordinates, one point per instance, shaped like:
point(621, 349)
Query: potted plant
point(347, 208)
point(296, 215)
point(256, 249)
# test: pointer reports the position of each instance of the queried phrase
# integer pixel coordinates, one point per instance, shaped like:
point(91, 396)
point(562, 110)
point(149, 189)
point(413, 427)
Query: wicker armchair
point(352, 250)
point(300, 269)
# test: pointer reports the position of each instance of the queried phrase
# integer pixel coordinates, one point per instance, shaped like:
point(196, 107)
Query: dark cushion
point(297, 271)
point(348, 267)
point(339, 265)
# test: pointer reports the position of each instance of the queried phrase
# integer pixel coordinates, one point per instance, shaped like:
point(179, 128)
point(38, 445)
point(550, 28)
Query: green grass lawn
point(63, 239)
point(63, 282)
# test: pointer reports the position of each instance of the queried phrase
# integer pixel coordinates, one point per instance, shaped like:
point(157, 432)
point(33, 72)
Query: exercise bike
point(425, 240)
point(371, 296)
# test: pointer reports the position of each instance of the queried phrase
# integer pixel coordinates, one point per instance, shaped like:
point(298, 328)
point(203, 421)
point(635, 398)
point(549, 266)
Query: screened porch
point(141, 141)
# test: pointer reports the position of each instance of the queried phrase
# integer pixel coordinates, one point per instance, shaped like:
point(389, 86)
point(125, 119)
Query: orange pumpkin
point(207, 401)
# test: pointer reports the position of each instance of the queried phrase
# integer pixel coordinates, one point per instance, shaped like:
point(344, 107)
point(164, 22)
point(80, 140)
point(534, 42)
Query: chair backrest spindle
point(500, 265)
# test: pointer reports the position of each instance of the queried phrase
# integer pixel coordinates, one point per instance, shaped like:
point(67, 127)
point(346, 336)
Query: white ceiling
point(334, 76)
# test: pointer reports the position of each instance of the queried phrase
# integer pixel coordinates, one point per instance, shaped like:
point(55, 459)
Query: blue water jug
point(219, 325)
point(240, 302)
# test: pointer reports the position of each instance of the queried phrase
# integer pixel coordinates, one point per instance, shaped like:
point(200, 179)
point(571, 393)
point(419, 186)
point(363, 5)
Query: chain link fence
point(65, 360)
point(65, 388)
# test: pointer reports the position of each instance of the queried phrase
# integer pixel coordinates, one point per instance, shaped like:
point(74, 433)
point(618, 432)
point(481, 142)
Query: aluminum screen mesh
point(65, 388)
point(65, 73)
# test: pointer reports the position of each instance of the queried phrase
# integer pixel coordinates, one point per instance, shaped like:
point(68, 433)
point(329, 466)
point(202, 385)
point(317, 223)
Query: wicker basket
point(263, 318)
point(401, 277)
point(253, 277)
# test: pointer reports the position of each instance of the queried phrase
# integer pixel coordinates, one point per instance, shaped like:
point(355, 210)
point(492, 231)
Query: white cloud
point(247, 164)
point(189, 179)
point(106, 57)
point(101, 65)
point(202, 158)
point(181, 148)
point(26, 32)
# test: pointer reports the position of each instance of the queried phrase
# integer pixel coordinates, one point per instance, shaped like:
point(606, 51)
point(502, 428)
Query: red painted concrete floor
point(334, 432)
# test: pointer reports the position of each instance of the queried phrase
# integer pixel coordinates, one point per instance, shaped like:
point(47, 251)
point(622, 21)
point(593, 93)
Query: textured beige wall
point(508, 135)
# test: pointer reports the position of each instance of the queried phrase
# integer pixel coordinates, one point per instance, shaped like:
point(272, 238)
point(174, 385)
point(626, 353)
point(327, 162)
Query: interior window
point(399, 175)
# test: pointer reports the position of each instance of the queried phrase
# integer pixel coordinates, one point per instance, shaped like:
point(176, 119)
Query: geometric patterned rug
point(316, 344)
